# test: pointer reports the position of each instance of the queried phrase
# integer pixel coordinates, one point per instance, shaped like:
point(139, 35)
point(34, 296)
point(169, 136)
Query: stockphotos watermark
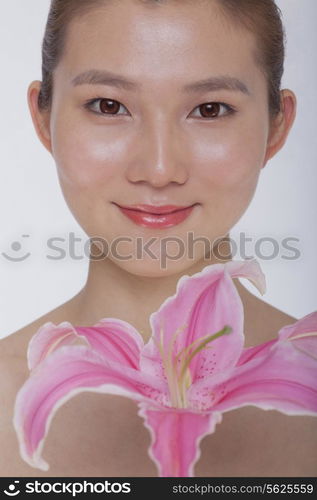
point(72, 247)
point(64, 487)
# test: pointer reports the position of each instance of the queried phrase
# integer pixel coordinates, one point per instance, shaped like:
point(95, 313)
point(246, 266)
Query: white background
point(32, 204)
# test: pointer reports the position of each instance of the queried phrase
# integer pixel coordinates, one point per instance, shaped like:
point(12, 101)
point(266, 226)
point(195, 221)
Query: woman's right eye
point(102, 106)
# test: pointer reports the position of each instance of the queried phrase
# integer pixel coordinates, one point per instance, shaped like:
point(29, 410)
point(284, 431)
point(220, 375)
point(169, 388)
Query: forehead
point(169, 42)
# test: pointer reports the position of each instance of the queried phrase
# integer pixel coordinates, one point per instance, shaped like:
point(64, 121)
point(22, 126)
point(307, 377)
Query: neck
point(110, 291)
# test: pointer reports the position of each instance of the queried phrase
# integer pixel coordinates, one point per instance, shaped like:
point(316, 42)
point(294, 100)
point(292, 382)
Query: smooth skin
point(158, 149)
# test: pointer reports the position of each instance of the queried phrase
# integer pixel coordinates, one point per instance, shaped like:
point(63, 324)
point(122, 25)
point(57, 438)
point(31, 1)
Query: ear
point(40, 118)
point(281, 124)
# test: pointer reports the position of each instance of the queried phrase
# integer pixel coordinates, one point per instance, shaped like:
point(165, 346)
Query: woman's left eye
point(211, 110)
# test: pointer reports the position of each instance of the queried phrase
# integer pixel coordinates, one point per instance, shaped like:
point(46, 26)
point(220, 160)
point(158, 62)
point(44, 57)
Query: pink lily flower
point(193, 369)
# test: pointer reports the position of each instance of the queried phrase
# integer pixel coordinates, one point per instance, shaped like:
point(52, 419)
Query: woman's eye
point(102, 106)
point(213, 109)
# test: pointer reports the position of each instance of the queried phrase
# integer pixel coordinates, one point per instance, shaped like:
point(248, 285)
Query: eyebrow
point(98, 77)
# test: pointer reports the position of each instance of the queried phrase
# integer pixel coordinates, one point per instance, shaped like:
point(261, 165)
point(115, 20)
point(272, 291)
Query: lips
point(156, 210)
point(156, 217)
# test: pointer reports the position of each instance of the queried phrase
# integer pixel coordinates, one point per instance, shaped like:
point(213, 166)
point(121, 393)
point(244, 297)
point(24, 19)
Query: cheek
point(88, 158)
point(230, 161)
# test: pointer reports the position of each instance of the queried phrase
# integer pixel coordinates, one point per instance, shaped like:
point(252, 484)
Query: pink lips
point(156, 216)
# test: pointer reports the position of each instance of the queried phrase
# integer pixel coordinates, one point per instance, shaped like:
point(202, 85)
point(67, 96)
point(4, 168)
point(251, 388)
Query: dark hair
point(260, 17)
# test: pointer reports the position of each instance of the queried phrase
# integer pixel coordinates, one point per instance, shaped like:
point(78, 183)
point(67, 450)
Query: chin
point(150, 268)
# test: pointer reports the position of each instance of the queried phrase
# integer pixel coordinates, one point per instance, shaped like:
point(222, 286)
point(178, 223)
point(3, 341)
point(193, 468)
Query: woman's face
point(161, 145)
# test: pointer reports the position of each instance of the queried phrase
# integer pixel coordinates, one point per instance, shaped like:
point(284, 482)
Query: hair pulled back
point(263, 18)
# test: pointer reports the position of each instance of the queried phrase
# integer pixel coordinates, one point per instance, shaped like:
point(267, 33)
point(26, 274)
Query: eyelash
point(88, 105)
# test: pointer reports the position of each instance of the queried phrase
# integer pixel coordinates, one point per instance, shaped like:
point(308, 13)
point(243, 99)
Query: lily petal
point(203, 304)
point(66, 372)
point(249, 353)
point(303, 334)
point(175, 438)
point(282, 376)
point(114, 338)
point(47, 339)
point(302, 326)
point(249, 269)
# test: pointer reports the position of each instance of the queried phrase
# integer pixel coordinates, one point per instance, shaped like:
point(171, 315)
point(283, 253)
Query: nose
point(159, 157)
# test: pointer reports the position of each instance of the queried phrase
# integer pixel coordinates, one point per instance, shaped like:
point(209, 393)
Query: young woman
point(152, 107)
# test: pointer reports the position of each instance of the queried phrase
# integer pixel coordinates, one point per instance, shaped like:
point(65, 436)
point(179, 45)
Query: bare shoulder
point(13, 373)
point(273, 315)
point(262, 321)
point(267, 317)
point(13, 366)
point(13, 349)
point(15, 344)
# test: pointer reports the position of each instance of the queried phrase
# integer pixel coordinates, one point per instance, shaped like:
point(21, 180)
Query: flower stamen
point(176, 367)
point(184, 378)
point(225, 330)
